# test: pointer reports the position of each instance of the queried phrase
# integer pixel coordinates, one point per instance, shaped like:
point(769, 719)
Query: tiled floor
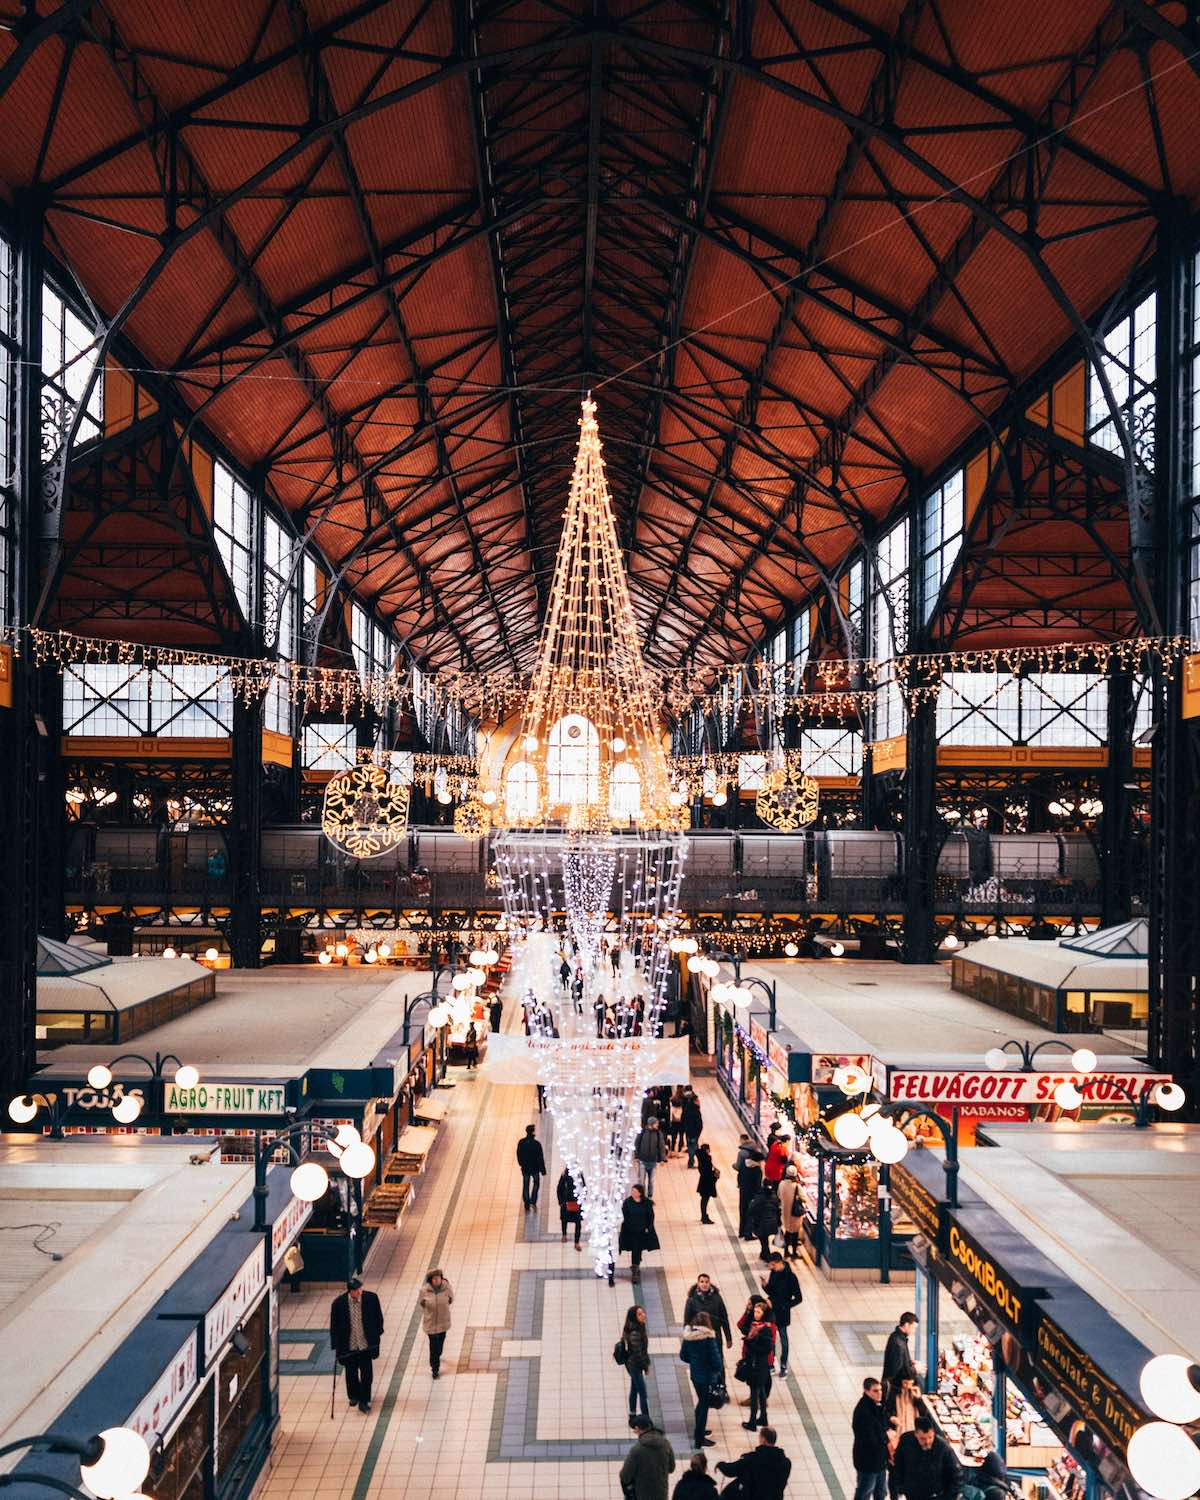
point(530, 1403)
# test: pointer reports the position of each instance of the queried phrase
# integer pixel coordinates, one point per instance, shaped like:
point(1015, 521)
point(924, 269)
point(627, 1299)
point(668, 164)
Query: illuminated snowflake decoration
point(471, 819)
point(787, 799)
point(365, 812)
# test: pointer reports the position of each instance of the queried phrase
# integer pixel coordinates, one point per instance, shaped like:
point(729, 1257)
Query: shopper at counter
point(897, 1356)
point(870, 1452)
point(355, 1329)
point(926, 1468)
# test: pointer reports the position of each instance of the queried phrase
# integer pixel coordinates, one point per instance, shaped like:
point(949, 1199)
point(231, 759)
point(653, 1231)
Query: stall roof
point(1061, 966)
point(1116, 1208)
point(54, 957)
point(135, 1213)
point(895, 1011)
point(276, 1022)
point(115, 985)
point(1127, 940)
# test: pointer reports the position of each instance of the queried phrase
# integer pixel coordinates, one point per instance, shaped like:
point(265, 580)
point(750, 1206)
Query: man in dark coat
point(783, 1289)
point(763, 1218)
point(926, 1468)
point(897, 1356)
point(355, 1329)
point(532, 1161)
point(706, 1298)
point(749, 1180)
point(870, 1454)
point(496, 1012)
point(763, 1471)
point(693, 1124)
point(647, 1464)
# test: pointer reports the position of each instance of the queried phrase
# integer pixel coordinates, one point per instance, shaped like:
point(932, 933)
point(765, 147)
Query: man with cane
point(355, 1329)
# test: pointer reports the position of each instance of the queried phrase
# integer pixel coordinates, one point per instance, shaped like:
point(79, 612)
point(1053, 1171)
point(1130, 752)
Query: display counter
point(841, 1218)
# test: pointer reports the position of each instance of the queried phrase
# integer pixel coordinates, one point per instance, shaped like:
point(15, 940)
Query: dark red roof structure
point(802, 253)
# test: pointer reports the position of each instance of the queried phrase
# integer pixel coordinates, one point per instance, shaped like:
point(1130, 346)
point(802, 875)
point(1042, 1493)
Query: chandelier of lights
point(590, 860)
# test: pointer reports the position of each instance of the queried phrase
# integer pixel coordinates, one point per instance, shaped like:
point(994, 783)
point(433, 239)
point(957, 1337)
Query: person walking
point(758, 1357)
point(577, 992)
point(436, 1296)
point(614, 958)
point(635, 1340)
point(897, 1355)
point(532, 1161)
point(355, 1330)
point(926, 1467)
point(471, 1043)
point(704, 1297)
point(693, 1124)
point(564, 972)
point(701, 1352)
point(763, 1218)
point(637, 1229)
point(650, 1150)
point(570, 1209)
point(706, 1181)
point(293, 1265)
point(761, 1474)
point(791, 1213)
point(695, 1483)
point(496, 1013)
point(783, 1289)
point(648, 1463)
point(870, 1452)
point(777, 1160)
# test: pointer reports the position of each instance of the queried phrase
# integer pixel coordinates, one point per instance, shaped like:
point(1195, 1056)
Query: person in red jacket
point(777, 1160)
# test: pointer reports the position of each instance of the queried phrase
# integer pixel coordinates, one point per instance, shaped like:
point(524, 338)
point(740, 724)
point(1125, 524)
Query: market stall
point(1015, 1355)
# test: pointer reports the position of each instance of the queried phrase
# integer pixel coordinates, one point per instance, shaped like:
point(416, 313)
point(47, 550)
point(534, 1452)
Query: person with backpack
point(706, 1181)
point(701, 1352)
point(633, 1351)
point(791, 1213)
point(782, 1287)
point(748, 1167)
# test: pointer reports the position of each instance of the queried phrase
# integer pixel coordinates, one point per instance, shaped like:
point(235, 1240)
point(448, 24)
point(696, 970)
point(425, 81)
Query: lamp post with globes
point(1162, 1456)
point(748, 985)
point(1067, 1095)
point(310, 1180)
point(112, 1464)
point(24, 1109)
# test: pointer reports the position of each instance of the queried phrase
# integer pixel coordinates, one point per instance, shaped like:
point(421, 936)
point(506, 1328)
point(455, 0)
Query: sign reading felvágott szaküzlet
point(208, 1098)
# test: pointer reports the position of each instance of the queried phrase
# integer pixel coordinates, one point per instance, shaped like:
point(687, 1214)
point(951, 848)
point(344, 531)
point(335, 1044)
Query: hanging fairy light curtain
point(590, 847)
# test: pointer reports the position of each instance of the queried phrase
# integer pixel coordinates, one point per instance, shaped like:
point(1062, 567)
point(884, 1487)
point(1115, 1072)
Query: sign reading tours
point(972, 1088)
point(209, 1098)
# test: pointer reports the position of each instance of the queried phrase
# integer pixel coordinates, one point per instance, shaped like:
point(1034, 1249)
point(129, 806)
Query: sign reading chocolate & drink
point(1098, 1399)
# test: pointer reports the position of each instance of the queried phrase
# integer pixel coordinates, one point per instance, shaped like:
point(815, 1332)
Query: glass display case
point(841, 1213)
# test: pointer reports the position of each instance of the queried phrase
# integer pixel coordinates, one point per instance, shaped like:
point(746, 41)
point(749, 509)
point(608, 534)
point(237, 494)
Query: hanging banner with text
point(603, 1062)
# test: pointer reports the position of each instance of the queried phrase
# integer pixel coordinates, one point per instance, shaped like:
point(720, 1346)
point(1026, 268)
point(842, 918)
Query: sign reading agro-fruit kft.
point(214, 1098)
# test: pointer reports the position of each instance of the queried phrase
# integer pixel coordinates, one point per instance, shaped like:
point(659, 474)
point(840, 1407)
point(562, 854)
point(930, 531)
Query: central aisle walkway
point(531, 1403)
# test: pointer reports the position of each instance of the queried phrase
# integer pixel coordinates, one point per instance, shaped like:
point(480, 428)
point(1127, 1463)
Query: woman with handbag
point(701, 1352)
point(636, 1341)
point(706, 1181)
point(570, 1210)
point(791, 1203)
point(758, 1357)
point(637, 1228)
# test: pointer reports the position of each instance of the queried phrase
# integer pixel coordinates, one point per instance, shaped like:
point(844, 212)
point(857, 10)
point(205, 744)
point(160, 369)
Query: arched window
point(624, 792)
point(573, 762)
point(521, 792)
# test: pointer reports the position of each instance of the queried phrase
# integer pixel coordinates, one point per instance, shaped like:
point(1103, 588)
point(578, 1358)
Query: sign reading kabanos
point(933, 1086)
